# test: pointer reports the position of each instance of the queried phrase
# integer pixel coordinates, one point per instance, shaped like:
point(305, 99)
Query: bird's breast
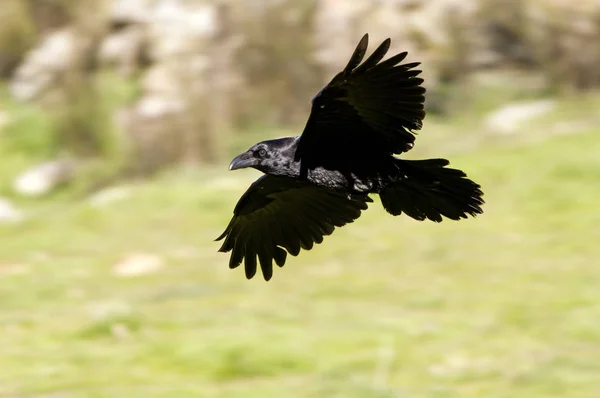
point(348, 181)
point(331, 179)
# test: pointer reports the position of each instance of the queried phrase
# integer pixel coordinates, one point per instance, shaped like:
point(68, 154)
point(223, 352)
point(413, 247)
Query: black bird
point(321, 180)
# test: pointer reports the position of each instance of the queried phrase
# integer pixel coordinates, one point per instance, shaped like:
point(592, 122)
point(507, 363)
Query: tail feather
point(429, 190)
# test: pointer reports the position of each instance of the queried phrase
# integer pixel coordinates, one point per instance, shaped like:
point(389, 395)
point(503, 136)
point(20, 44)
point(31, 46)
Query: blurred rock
point(120, 331)
point(8, 212)
point(177, 28)
point(336, 30)
point(423, 28)
point(44, 178)
point(43, 65)
point(160, 80)
point(109, 195)
point(14, 269)
point(152, 129)
point(128, 12)
point(154, 107)
point(509, 118)
point(123, 49)
point(138, 264)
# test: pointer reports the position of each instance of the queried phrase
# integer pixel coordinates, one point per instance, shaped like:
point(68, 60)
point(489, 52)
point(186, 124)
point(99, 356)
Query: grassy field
point(505, 305)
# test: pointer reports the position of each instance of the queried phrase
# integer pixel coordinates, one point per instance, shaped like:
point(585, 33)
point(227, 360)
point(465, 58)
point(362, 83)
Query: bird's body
point(321, 179)
point(367, 175)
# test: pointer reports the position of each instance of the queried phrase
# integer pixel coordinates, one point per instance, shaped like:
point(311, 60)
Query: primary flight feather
point(321, 180)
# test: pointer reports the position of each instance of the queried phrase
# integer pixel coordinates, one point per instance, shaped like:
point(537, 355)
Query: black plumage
point(322, 179)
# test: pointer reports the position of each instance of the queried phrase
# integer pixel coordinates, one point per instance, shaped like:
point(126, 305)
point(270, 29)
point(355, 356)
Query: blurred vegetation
point(505, 305)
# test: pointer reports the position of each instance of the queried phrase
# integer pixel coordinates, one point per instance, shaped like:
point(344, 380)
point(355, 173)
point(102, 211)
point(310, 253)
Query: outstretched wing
point(369, 108)
point(278, 213)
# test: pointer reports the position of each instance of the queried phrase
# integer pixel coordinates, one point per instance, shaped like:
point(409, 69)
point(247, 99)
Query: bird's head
point(274, 157)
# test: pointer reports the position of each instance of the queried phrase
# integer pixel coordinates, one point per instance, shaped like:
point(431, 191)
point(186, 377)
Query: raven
point(322, 179)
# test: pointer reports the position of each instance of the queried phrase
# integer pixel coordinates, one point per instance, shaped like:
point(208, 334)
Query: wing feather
point(357, 55)
point(279, 215)
point(377, 56)
point(376, 107)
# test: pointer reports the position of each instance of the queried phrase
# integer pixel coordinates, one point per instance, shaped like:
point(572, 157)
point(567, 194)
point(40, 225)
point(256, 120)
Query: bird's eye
point(262, 153)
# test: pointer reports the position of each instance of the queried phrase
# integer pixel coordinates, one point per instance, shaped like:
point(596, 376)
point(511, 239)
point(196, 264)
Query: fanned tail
point(426, 189)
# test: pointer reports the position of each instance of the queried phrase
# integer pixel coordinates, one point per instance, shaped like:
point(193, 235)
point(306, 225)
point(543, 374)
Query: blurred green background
point(117, 122)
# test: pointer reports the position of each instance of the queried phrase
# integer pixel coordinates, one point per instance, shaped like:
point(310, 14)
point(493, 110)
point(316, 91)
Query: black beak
point(241, 161)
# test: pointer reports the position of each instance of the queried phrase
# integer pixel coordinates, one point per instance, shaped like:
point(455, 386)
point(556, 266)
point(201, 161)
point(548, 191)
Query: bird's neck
point(288, 168)
point(283, 163)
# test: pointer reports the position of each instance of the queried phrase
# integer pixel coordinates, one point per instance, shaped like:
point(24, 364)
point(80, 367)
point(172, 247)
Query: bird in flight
point(322, 179)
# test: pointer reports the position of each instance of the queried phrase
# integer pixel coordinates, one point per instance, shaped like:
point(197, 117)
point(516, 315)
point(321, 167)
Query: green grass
point(505, 305)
